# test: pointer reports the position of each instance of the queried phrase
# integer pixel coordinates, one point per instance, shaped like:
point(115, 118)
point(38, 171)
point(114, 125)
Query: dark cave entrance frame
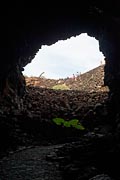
point(61, 44)
point(46, 30)
point(25, 39)
point(75, 36)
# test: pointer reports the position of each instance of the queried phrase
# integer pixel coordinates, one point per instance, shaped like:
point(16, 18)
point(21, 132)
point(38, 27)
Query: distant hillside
point(92, 80)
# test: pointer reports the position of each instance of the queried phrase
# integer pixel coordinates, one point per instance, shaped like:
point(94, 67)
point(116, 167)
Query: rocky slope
point(30, 118)
point(92, 80)
point(84, 154)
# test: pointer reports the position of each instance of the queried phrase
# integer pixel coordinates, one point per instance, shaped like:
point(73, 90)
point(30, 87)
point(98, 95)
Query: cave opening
point(31, 125)
point(89, 154)
point(66, 57)
point(65, 61)
point(87, 90)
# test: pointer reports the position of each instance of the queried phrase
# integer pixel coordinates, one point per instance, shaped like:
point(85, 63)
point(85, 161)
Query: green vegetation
point(60, 87)
point(71, 123)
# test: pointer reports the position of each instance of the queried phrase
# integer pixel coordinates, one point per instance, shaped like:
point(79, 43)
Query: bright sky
point(65, 58)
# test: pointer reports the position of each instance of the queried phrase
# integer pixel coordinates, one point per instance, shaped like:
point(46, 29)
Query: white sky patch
point(65, 58)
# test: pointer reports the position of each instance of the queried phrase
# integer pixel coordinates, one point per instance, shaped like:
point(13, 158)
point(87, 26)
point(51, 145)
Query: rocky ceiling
point(25, 29)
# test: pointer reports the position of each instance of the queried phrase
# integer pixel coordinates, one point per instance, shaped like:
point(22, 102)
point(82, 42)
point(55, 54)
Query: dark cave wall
point(109, 45)
point(26, 29)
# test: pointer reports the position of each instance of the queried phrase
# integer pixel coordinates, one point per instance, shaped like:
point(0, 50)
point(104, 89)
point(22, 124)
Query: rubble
point(29, 124)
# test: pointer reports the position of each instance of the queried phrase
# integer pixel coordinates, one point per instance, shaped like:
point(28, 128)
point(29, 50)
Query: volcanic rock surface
point(31, 136)
point(90, 81)
point(89, 154)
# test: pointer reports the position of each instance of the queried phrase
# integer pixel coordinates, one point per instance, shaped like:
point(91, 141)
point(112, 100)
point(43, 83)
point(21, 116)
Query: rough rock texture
point(27, 31)
point(90, 81)
point(81, 154)
point(24, 28)
point(26, 165)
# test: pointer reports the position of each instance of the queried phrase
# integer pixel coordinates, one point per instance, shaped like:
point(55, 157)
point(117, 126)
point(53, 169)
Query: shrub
point(60, 87)
point(71, 123)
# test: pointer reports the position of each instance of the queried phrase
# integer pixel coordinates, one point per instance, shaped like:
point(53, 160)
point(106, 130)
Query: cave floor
point(34, 147)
